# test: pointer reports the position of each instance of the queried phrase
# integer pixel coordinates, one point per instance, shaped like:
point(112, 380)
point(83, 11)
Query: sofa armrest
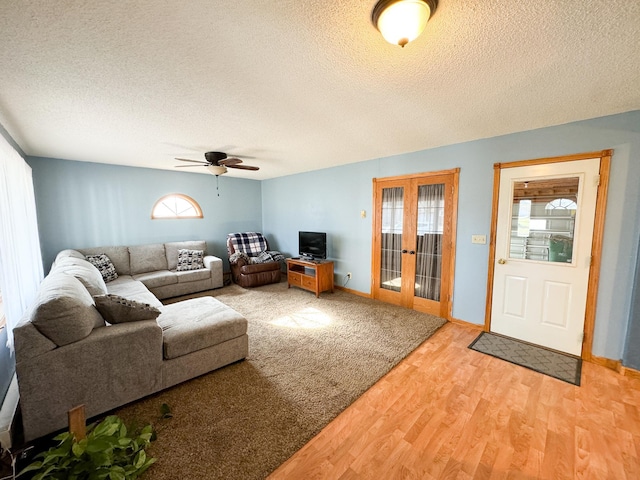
point(215, 265)
point(114, 365)
point(210, 262)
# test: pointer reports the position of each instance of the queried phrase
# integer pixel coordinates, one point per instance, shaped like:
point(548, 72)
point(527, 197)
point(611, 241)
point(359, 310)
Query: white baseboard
point(8, 413)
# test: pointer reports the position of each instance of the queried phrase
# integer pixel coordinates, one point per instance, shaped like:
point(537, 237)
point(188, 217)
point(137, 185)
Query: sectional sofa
point(105, 344)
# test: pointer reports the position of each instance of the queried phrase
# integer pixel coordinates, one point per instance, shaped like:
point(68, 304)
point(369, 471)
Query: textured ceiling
point(302, 85)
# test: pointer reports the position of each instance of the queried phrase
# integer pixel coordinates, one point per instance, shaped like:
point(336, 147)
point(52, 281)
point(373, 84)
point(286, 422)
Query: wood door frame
point(447, 288)
point(596, 244)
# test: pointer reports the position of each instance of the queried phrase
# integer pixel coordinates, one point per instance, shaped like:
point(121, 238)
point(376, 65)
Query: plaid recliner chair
point(252, 263)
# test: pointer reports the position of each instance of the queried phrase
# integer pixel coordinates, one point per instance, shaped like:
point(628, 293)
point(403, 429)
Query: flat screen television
point(312, 245)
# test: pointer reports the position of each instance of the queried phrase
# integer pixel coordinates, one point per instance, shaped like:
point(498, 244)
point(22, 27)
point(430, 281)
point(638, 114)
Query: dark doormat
point(558, 365)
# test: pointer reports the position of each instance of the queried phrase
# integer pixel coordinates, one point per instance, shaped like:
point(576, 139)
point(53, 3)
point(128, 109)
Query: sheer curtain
point(430, 231)
point(392, 221)
point(20, 259)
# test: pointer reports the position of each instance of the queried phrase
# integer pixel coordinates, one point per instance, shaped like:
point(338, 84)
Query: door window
point(543, 219)
point(392, 225)
point(429, 241)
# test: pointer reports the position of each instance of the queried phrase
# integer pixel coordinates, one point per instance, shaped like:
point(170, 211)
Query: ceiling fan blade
point(194, 161)
point(187, 166)
point(229, 148)
point(243, 167)
point(229, 161)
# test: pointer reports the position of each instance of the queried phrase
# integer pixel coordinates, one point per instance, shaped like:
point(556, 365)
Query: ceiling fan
point(217, 163)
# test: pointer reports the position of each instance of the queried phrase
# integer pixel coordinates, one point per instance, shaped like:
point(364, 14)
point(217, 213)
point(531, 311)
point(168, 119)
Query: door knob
point(404, 251)
point(412, 252)
point(502, 261)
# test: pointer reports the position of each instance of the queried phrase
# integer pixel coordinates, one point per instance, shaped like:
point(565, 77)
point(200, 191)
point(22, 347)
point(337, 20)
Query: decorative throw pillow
point(117, 309)
point(237, 256)
point(104, 265)
point(190, 260)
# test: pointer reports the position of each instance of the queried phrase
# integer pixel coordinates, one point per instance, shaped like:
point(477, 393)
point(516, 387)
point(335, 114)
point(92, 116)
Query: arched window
point(176, 205)
point(561, 204)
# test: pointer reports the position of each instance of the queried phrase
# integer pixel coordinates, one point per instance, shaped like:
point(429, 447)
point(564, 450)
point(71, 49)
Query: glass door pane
point(430, 230)
point(543, 219)
point(391, 236)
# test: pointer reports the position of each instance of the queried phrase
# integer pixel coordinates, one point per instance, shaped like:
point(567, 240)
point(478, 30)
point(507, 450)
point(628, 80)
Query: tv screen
point(312, 244)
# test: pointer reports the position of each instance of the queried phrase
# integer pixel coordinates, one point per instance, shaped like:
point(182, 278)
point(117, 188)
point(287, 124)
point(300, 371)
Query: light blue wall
point(83, 204)
point(632, 349)
point(331, 200)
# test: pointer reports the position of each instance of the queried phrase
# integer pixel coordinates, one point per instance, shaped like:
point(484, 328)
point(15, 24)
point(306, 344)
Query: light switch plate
point(479, 239)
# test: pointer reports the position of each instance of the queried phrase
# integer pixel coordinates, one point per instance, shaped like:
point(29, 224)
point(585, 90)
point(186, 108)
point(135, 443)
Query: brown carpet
point(308, 360)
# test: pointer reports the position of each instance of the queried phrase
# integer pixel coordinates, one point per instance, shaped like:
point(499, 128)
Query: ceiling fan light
point(402, 21)
point(216, 169)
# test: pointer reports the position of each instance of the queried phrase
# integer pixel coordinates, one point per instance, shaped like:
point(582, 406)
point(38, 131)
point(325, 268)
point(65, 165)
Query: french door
point(413, 241)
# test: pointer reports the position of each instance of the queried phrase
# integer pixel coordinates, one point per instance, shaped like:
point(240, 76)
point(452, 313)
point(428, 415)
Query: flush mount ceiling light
point(402, 21)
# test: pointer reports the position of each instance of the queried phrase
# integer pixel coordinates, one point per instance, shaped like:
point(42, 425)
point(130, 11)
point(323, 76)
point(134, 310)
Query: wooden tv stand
point(313, 275)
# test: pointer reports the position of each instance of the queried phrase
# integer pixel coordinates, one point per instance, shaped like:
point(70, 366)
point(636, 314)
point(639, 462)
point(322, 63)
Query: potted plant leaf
point(109, 451)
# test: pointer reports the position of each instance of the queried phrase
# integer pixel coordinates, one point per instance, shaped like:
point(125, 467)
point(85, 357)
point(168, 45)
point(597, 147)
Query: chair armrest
point(239, 263)
point(259, 267)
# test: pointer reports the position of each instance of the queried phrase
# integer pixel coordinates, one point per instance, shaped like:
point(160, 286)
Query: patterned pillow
point(103, 263)
point(116, 309)
point(190, 260)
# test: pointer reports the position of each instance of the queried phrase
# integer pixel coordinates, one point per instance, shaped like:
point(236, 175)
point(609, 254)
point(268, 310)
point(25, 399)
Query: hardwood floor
point(447, 412)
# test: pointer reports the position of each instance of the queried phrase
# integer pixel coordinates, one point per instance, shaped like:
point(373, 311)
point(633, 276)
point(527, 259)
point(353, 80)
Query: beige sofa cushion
point(193, 275)
point(83, 271)
point(147, 258)
point(157, 279)
point(64, 311)
point(119, 256)
point(68, 253)
point(198, 323)
point(127, 287)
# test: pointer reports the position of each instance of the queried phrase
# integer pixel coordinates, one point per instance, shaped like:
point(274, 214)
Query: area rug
point(309, 359)
point(555, 364)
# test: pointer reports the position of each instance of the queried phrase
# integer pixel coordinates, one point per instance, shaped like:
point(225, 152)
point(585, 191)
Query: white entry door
point(544, 236)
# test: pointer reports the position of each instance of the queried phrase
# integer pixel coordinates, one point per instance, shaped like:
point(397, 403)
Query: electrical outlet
point(349, 275)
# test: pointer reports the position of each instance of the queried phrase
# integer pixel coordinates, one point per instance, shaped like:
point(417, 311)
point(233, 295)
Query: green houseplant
point(107, 452)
